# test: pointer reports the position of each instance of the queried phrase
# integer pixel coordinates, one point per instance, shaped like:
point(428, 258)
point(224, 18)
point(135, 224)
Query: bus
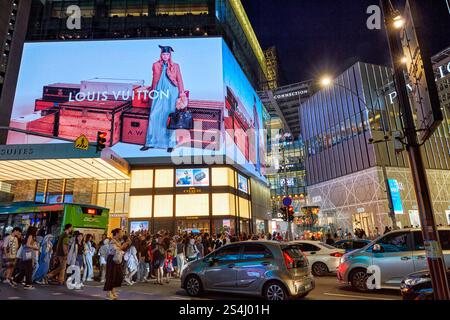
point(51, 218)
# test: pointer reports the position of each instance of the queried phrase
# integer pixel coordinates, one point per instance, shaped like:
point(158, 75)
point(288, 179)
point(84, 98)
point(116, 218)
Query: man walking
point(62, 250)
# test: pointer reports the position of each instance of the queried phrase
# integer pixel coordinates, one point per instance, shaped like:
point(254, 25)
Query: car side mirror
point(377, 248)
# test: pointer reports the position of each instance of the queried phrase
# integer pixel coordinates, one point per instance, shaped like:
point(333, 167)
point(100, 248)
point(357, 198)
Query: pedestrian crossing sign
point(82, 142)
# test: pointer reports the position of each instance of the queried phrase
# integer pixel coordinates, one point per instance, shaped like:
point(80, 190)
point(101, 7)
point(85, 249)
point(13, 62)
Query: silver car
point(396, 254)
point(273, 270)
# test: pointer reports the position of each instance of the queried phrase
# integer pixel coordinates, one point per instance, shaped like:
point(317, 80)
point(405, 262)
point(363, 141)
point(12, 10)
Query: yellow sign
point(82, 142)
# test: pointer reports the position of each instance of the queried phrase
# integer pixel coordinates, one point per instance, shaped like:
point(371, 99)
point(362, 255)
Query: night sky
point(327, 36)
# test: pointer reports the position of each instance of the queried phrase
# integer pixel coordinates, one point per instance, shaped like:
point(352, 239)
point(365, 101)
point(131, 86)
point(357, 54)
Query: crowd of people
point(34, 258)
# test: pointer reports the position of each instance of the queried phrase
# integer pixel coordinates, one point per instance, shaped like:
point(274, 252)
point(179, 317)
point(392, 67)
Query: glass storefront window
point(164, 178)
point(192, 205)
point(193, 225)
point(222, 177)
point(223, 204)
point(224, 225)
point(141, 179)
point(244, 211)
point(163, 206)
point(140, 207)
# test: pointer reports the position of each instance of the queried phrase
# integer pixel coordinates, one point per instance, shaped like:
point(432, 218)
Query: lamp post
point(327, 81)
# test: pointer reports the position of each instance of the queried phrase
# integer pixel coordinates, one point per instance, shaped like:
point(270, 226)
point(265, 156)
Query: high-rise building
point(347, 175)
point(106, 76)
point(273, 69)
point(135, 19)
point(13, 27)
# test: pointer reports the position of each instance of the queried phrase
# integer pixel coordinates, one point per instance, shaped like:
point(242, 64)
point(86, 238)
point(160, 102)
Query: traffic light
point(290, 214)
point(101, 141)
point(284, 213)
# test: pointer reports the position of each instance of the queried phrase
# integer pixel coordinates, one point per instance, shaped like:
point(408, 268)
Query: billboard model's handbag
point(180, 119)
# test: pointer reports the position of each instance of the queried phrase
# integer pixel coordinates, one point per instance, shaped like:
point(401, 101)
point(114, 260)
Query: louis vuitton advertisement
point(153, 98)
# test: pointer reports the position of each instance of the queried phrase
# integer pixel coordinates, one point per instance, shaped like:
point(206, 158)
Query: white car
point(322, 258)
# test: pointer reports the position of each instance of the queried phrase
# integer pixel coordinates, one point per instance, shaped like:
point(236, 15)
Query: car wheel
point(319, 269)
point(358, 279)
point(193, 286)
point(275, 291)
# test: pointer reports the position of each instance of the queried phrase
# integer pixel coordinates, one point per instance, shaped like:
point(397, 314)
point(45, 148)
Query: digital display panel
point(133, 91)
point(138, 226)
point(192, 177)
point(242, 183)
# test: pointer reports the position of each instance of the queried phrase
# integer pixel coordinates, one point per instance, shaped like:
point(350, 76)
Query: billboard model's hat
point(166, 49)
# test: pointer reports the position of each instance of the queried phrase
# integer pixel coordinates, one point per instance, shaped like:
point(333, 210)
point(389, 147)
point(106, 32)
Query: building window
point(141, 179)
point(192, 205)
point(163, 206)
point(140, 207)
point(222, 177)
point(164, 178)
point(223, 204)
point(244, 211)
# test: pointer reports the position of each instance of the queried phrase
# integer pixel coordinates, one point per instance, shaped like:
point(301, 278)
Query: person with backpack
point(62, 251)
point(191, 250)
point(29, 249)
point(10, 248)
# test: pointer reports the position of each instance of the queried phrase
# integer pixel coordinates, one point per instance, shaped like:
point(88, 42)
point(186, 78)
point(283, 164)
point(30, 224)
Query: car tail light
point(288, 260)
point(336, 254)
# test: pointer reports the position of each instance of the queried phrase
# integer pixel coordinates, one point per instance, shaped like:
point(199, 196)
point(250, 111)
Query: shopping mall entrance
point(363, 221)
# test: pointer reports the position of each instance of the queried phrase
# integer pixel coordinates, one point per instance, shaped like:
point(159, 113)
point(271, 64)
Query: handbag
point(27, 253)
point(180, 119)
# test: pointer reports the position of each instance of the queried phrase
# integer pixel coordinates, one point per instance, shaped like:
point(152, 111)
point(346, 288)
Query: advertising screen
point(242, 183)
point(138, 226)
point(192, 177)
point(164, 98)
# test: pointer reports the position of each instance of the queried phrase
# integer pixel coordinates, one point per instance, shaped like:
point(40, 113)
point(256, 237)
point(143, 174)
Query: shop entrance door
point(414, 218)
point(363, 221)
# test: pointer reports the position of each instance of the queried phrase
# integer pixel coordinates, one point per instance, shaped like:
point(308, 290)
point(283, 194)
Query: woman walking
point(26, 264)
point(181, 256)
point(132, 262)
point(114, 272)
point(45, 257)
point(159, 255)
point(103, 255)
point(88, 253)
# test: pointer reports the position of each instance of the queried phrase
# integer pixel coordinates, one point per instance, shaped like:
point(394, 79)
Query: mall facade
point(145, 192)
point(347, 175)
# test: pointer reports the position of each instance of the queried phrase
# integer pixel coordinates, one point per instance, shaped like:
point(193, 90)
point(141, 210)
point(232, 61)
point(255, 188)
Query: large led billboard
point(130, 89)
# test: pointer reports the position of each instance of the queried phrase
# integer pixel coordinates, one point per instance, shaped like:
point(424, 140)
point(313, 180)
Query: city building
point(212, 40)
point(285, 157)
point(131, 19)
point(13, 28)
point(346, 174)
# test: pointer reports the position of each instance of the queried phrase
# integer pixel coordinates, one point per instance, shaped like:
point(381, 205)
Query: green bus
point(51, 218)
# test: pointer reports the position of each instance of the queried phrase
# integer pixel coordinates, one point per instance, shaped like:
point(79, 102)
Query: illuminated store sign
point(242, 183)
point(192, 177)
point(395, 196)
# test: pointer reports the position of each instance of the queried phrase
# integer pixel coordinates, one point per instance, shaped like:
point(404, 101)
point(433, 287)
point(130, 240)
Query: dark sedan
point(417, 286)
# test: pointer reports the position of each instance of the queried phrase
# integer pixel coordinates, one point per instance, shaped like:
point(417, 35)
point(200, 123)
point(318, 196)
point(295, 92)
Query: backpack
point(191, 250)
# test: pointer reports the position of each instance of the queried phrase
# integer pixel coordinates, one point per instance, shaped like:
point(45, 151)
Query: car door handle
point(231, 266)
point(421, 257)
point(406, 258)
point(265, 263)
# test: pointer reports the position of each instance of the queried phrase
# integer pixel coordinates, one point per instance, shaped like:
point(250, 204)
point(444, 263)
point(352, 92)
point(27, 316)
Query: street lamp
point(398, 21)
point(326, 81)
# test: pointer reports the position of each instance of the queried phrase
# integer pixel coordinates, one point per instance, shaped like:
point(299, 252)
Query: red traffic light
point(101, 140)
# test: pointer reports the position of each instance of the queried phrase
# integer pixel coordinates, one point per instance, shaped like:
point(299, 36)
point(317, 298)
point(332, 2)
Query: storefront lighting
point(404, 60)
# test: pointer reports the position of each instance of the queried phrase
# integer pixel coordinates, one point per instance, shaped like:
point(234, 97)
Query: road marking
point(57, 293)
point(352, 296)
point(14, 298)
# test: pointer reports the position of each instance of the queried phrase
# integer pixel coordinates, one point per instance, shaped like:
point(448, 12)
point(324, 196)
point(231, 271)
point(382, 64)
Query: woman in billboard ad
point(166, 78)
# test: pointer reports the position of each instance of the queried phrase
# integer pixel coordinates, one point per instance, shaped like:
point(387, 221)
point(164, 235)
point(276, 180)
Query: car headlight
point(415, 281)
